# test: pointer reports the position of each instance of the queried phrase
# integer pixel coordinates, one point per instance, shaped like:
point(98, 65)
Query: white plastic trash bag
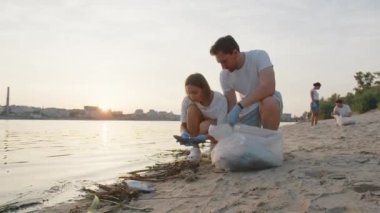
point(243, 147)
point(344, 121)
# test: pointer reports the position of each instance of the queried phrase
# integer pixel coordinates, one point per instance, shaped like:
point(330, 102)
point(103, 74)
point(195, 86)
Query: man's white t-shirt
point(344, 111)
point(217, 110)
point(246, 79)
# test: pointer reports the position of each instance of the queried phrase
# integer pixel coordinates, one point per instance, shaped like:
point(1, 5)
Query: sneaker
point(195, 155)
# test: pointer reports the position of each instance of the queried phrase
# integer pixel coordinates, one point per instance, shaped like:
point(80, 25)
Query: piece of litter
point(140, 185)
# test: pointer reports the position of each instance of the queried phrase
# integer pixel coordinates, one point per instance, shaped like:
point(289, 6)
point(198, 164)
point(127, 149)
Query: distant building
point(139, 112)
point(76, 113)
point(286, 117)
point(152, 115)
point(55, 113)
point(92, 111)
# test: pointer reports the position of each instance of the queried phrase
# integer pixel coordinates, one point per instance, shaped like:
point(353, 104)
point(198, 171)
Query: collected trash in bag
point(344, 121)
point(140, 185)
point(243, 148)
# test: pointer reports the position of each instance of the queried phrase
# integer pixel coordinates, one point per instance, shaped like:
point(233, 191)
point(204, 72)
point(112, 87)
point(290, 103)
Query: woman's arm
point(312, 95)
point(183, 128)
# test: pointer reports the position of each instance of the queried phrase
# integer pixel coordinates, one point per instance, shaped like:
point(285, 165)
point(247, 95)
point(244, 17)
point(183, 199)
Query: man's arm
point(265, 89)
point(231, 99)
point(349, 113)
point(335, 111)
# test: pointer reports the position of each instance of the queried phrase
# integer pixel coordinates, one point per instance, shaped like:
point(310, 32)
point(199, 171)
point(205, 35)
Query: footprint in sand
point(365, 187)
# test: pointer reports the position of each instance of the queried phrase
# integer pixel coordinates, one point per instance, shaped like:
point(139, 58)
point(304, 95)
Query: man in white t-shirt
point(250, 74)
point(341, 109)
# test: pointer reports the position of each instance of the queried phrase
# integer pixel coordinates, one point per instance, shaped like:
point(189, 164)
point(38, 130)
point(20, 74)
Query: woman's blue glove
point(198, 139)
point(233, 115)
point(186, 140)
point(185, 135)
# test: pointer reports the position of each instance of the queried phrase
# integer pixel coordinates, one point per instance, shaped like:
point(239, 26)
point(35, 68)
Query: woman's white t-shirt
point(217, 110)
point(315, 94)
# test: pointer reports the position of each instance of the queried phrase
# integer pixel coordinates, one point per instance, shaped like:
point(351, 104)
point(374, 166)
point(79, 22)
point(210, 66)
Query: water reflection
point(5, 144)
point(104, 134)
point(51, 152)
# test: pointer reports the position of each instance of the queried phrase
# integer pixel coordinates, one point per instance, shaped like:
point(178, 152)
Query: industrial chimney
point(7, 106)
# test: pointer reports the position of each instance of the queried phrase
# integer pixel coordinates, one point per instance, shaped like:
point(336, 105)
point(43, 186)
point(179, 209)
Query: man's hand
point(233, 115)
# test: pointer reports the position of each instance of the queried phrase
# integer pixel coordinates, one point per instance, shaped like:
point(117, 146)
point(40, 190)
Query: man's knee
point(270, 105)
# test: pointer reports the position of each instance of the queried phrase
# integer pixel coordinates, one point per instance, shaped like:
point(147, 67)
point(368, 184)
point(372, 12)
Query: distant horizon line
point(109, 109)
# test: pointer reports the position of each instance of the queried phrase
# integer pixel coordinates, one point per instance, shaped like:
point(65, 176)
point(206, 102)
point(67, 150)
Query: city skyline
point(127, 55)
point(8, 103)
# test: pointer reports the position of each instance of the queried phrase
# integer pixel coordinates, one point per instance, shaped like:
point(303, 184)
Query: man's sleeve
point(349, 109)
point(263, 60)
point(224, 82)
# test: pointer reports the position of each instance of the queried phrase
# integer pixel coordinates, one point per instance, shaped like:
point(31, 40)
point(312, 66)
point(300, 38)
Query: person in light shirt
point(251, 74)
point(314, 105)
point(201, 107)
point(341, 109)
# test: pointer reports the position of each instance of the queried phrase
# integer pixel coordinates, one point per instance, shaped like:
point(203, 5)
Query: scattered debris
point(121, 193)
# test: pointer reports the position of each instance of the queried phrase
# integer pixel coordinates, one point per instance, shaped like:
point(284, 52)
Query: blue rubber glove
point(186, 140)
point(185, 135)
point(233, 115)
point(198, 139)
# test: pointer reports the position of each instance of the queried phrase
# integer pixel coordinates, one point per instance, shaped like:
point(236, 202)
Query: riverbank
point(327, 168)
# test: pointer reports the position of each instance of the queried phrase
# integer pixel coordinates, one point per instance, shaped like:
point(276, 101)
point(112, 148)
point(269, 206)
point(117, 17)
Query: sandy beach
point(326, 168)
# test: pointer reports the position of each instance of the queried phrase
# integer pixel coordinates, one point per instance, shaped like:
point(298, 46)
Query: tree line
point(366, 95)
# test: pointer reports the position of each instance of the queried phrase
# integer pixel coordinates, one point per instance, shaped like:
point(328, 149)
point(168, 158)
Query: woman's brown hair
point(199, 81)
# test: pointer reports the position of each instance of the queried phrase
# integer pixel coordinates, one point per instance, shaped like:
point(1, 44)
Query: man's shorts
point(253, 117)
point(314, 106)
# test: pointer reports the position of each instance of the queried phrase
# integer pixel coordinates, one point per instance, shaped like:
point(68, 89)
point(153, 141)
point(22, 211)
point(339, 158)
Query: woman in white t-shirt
point(200, 108)
point(314, 105)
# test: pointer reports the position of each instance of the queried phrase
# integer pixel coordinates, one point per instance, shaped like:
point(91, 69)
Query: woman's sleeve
point(185, 105)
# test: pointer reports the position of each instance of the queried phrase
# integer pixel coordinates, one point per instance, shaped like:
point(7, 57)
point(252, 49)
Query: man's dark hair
point(339, 101)
point(226, 45)
point(317, 84)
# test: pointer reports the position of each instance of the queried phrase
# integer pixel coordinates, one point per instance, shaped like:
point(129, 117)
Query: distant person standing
point(250, 74)
point(314, 105)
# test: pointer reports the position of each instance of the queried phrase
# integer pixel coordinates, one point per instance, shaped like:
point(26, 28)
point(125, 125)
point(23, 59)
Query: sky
point(126, 55)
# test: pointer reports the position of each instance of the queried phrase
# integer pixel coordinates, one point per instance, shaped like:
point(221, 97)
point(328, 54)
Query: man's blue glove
point(233, 115)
